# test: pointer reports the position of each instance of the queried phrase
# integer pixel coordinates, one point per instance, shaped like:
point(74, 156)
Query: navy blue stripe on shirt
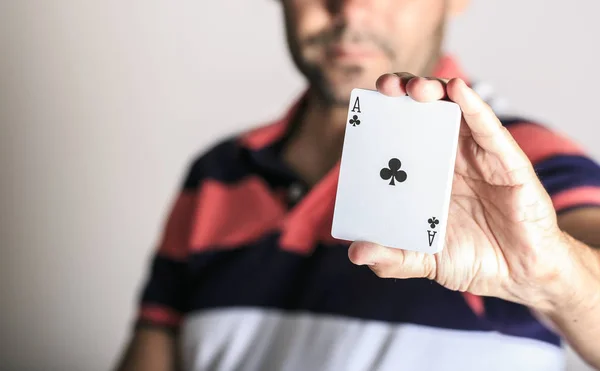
point(166, 286)
point(228, 162)
point(514, 319)
point(262, 275)
point(508, 121)
point(563, 172)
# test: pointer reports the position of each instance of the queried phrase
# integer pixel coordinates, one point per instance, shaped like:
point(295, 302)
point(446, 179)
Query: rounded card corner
point(355, 91)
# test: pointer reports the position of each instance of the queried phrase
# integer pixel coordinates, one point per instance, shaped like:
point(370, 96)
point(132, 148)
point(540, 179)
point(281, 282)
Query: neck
point(317, 144)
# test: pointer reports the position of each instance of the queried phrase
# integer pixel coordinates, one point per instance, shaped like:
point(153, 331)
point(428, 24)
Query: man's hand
point(502, 236)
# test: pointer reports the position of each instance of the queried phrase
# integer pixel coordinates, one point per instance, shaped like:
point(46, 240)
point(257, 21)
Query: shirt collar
point(264, 144)
point(273, 133)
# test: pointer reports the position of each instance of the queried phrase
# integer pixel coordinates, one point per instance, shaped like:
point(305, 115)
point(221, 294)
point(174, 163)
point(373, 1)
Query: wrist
point(576, 288)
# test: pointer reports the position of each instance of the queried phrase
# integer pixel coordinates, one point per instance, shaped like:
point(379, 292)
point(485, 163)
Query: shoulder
point(570, 175)
point(221, 160)
point(229, 159)
point(540, 141)
point(567, 170)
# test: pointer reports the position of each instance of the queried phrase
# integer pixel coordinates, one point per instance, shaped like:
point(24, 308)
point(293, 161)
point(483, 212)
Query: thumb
point(388, 262)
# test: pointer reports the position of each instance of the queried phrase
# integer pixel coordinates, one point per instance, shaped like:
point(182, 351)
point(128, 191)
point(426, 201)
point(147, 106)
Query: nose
point(351, 11)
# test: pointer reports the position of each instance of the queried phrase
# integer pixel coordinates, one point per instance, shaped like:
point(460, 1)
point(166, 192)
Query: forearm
point(575, 312)
point(150, 350)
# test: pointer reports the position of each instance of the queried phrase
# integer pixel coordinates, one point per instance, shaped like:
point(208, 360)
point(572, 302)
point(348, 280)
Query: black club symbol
point(433, 222)
point(393, 172)
point(354, 120)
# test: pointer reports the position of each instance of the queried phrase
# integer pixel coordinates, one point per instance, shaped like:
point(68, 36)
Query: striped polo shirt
point(249, 278)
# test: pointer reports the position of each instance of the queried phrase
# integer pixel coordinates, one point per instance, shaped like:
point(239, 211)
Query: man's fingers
point(389, 84)
point(426, 90)
point(393, 84)
point(485, 127)
point(392, 263)
point(419, 88)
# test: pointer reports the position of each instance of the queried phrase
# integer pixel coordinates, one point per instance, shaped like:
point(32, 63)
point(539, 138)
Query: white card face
point(396, 171)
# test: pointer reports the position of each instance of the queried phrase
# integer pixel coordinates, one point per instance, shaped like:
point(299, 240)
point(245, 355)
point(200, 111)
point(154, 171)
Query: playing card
point(396, 171)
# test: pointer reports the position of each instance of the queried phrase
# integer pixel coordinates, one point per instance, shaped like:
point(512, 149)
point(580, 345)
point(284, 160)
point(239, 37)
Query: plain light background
point(104, 103)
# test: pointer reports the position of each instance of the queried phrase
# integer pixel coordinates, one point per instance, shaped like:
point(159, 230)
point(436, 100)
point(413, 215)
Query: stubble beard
point(322, 86)
point(328, 92)
point(331, 94)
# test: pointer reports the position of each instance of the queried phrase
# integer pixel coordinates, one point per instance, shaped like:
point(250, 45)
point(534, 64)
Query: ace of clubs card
point(396, 171)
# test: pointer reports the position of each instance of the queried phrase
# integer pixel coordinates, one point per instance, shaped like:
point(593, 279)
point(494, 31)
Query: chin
point(334, 85)
point(331, 95)
point(341, 96)
point(339, 93)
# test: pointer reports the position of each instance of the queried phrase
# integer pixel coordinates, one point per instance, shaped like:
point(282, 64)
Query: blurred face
point(342, 44)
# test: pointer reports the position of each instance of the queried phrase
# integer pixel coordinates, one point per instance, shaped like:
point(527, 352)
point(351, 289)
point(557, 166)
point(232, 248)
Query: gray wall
point(102, 103)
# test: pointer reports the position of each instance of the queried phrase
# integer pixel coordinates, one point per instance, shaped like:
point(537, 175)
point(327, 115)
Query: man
point(247, 276)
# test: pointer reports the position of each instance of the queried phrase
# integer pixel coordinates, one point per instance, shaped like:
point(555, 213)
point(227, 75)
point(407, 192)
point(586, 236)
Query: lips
point(339, 51)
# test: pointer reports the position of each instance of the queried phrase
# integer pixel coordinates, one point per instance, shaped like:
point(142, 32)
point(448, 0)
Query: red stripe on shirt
point(448, 68)
point(310, 221)
point(576, 196)
point(160, 315)
point(540, 143)
point(175, 239)
point(232, 215)
point(475, 303)
point(263, 136)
